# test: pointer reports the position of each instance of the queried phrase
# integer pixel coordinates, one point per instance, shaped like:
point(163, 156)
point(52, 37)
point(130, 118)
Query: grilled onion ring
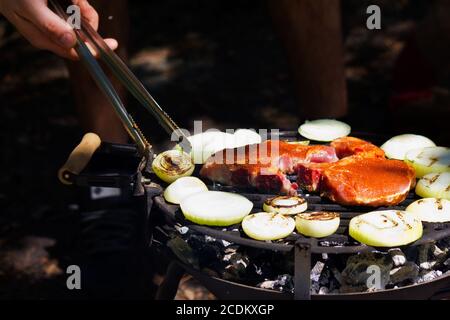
point(317, 224)
point(172, 164)
point(285, 205)
point(267, 226)
point(387, 228)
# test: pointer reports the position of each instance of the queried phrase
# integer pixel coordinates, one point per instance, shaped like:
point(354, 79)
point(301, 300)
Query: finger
point(88, 12)
point(40, 40)
point(112, 43)
point(58, 30)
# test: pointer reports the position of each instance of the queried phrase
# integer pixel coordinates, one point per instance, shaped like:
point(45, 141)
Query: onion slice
point(243, 137)
point(387, 228)
point(205, 144)
point(317, 224)
point(172, 164)
point(285, 205)
point(434, 185)
point(397, 147)
point(431, 210)
point(429, 160)
point(183, 187)
point(324, 129)
point(215, 208)
point(267, 226)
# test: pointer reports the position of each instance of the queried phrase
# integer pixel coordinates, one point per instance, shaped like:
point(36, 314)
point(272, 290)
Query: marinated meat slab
point(265, 165)
point(349, 146)
point(361, 175)
point(366, 181)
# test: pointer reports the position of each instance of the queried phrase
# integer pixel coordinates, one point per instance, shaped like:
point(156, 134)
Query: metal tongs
point(126, 77)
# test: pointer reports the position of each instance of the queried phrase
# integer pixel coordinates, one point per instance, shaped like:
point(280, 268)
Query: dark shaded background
point(219, 61)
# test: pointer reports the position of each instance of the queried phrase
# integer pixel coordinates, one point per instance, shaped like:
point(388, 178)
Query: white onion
point(434, 185)
point(267, 226)
point(317, 224)
point(387, 228)
point(397, 147)
point(172, 164)
point(285, 205)
point(429, 160)
point(215, 208)
point(205, 144)
point(182, 188)
point(324, 129)
point(431, 209)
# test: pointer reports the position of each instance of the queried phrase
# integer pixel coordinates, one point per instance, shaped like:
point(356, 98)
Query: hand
point(46, 30)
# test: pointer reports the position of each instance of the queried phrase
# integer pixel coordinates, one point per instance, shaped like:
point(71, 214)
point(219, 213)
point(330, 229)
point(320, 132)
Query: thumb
point(58, 30)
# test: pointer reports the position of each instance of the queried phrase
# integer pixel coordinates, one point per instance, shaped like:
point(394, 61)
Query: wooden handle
point(79, 157)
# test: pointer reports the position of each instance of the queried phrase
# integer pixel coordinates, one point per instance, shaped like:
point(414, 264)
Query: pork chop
point(265, 165)
point(363, 176)
point(363, 181)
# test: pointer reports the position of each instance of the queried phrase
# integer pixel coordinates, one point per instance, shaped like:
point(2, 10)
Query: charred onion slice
point(172, 164)
point(182, 188)
point(397, 147)
point(434, 185)
point(215, 208)
point(285, 205)
point(388, 228)
point(267, 226)
point(324, 129)
point(429, 160)
point(317, 224)
point(431, 209)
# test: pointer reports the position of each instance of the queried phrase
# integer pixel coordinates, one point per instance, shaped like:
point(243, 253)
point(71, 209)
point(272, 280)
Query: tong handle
point(79, 157)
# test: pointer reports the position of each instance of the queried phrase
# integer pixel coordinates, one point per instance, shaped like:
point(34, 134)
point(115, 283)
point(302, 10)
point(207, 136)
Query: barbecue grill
point(121, 166)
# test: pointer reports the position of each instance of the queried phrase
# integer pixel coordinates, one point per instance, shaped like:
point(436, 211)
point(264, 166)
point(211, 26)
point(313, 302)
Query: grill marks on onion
point(285, 205)
point(433, 210)
point(172, 164)
point(320, 215)
point(388, 228)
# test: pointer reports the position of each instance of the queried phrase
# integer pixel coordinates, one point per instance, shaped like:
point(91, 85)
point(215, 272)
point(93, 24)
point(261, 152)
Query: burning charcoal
point(428, 276)
point(438, 253)
point(316, 271)
point(398, 257)
point(423, 257)
point(355, 273)
point(330, 278)
point(408, 271)
point(225, 243)
point(283, 283)
point(183, 230)
point(183, 251)
point(324, 290)
point(236, 267)
point(447, 263)
point(207, 249)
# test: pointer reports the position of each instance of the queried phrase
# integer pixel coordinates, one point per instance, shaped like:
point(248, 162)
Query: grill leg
point(168, 288)
point(302, 276)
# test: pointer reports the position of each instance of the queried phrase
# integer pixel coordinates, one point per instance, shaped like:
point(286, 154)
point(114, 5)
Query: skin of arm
point(46, 30)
